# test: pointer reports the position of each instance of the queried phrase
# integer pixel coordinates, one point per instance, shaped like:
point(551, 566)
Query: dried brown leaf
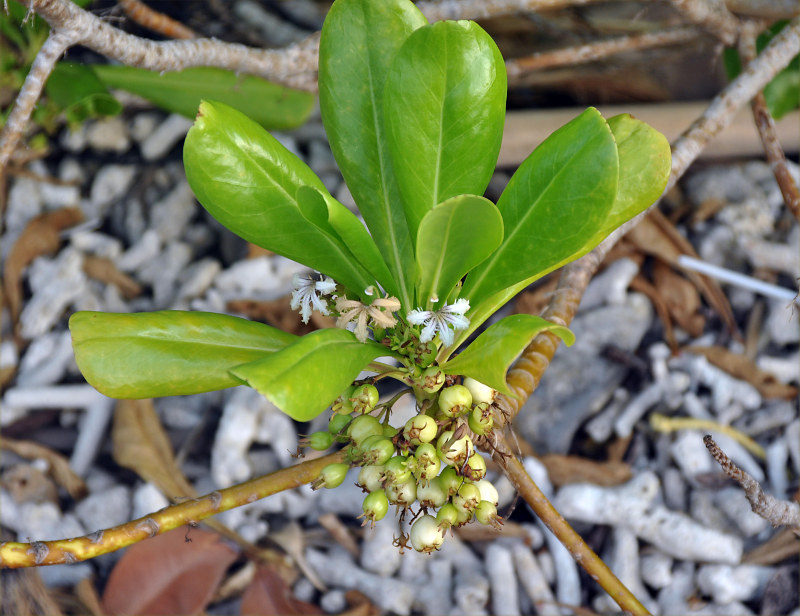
point(681, 298)
point(340, 533)
point(27, 484)
point(359, 605)
point(279, 313)
point(269, 595)
point(781, 546)
point(642, 285)
point(173, 573)
point(745, 369)
point(23, 593)
point(564, 470)
point(60, 470)
point(87, 595)
point(104, 270)
point(41, 236)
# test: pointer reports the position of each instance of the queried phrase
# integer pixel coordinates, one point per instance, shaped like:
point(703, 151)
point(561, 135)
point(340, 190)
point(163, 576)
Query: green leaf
point(249, 182)
point(444, 102)
point(77, 90)
point(489, 356)
point(167, 353)
point(304, 378)
point(358, 43)
point(271, 105)
point(454, 237)
point(555, 202)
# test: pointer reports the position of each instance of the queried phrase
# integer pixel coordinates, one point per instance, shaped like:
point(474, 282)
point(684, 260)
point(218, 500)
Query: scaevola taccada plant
point(414, 114)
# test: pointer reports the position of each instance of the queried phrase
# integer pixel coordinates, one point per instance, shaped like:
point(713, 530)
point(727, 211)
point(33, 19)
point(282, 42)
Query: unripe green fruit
point(455, 453)
point(488, 491)
point(397, 470)
point(364, 398)
point(431, 495)
point(475, 468)
point(375, 506)
point(431, 379)
point(362, 427)
point(426, 472)
point(486, 513)
point(450, 481)
point(371, 478)
point(447, 517)
point(377, 449)
point(331, 476)
point(320, 441)
point(420, 429)
point(426, 536)
point(338, 426)
point(403, 494)
point(455, 400)
point(389, 431)
point(467, 498)
point(343, 404)
point(480, 419)
point(480, 393)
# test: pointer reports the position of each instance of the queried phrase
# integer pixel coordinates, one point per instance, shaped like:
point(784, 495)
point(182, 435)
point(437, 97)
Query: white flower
point(441, 321)
point(379, 313)
point(307, 292)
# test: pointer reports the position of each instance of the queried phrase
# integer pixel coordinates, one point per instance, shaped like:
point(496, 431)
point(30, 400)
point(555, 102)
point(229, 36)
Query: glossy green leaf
point(304, 378)
point(444, 103)
point(249, 182)
point(167, 353)
point(358, 43)
point(336, 219)
point(555, 202)
point(454, 237)
point(77, 90)
point(489, 356)
point(271, 105)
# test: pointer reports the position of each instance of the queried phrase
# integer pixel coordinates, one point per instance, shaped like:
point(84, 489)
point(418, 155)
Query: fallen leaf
point(564, 470)
point(41, 236)
point(269, 595)
point(681, 298)
point(279, 313)
point(27, 484)
point(86, 593)
point(642, 285)
point(340, 533)
point(168, 574)
point(24, 592)
point(59, 468)
point(104, 270)
point(745, 369)
point(359, 605)
point(781, 546)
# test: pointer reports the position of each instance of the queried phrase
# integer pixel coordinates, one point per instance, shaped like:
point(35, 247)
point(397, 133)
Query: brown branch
point(479, 9)
point(36, 553)
point(774, 511)
point(765, 124)
point(581, 552)
point(711, 15)
point(155, 21)
point(597, 50)
point(765, 9)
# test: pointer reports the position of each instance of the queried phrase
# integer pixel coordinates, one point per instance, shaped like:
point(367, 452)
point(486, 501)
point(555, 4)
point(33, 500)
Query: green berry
point(431, 379)
point(488, 491)
point(455, 400)
point(397, 470)
point(343, 405)
point(375, 506)
point(480, 419)
point(362, 427)
point(450, 481)
point(377, 449)
point(486, 513)
point(428, 463)
point(337, 427)
point(480, 393)
point(467, 498)
point(447, 517)
point(431, 495)
point(364, 398)
point(475, 468)
point(420, 429)
point(454, 452)
point(425, 534)
point(371, 478)
point(331, 476)
point(320, 441)
point(403, 494)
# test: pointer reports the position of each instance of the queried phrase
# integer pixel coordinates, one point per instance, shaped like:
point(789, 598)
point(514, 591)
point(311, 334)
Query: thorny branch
point(774, 511)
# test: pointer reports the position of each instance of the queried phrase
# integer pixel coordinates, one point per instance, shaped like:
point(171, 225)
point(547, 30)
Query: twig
point(597, 50)
point(711, 15)
point(155, 21)
point(765, 9)
point(765, 124)
point(479, 9)
point(662, 423)
point(581, 552)
point(774, 511)
point(16, 554)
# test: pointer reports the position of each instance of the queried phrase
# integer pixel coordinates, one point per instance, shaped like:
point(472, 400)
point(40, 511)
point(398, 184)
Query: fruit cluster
point(431, 461)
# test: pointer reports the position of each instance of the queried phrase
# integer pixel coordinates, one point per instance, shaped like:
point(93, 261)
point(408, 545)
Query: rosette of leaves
point(414, 114)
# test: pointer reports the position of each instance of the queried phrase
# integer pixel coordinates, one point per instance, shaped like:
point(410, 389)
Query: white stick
point(740, 280)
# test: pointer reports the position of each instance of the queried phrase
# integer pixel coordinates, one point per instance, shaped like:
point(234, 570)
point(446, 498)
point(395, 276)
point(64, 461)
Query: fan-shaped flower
point(443, 321)
point(378, 313)
point(307, 294)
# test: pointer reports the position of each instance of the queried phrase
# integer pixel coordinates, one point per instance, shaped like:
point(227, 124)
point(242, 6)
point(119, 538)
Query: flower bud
point(488, 491)
point(403, 494)
point(480, 393)
point(371, 478)
point(431, 495)
point(426, 535)
point(455, 400)
point(420, 429)
point(377, 449)
point(375, 506)
point(431, 379)
point(362, 427)
point(364, 398)
point(331, 476)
